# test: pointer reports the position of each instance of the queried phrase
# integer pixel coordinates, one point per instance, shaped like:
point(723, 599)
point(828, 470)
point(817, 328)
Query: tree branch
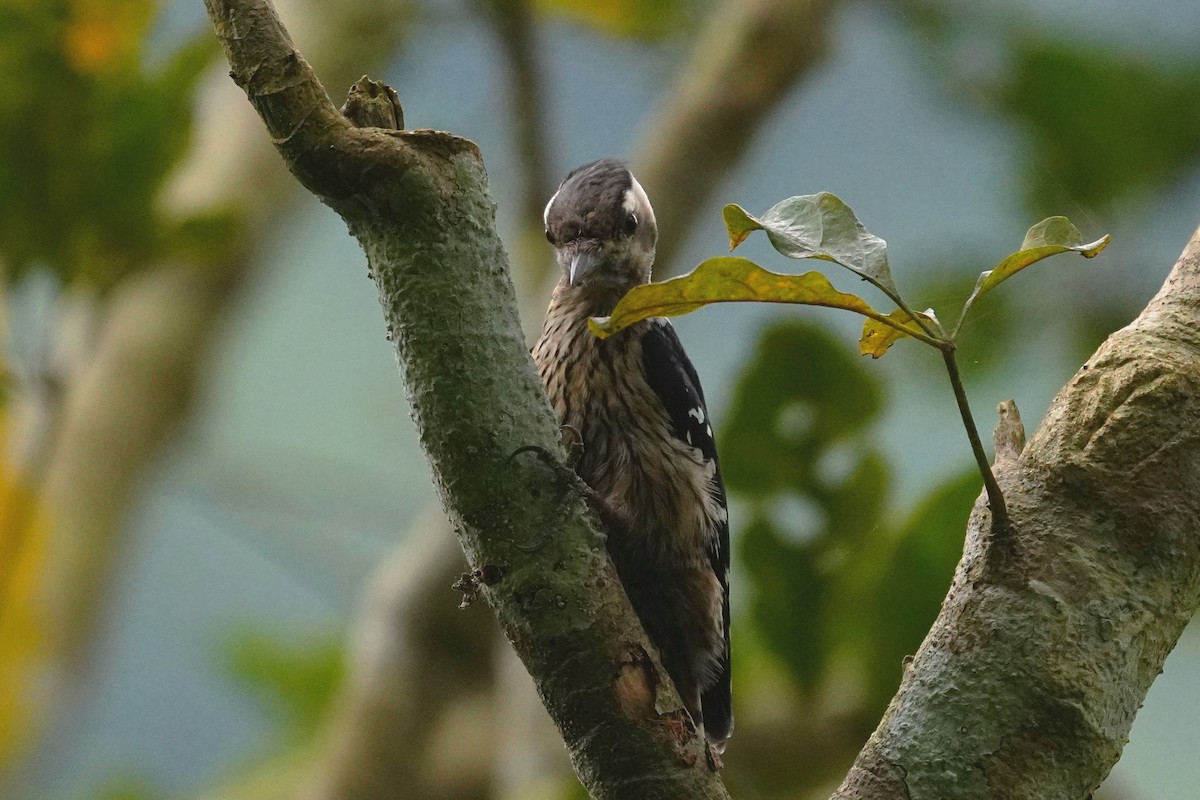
point(1028, 687)
point(417, 202)
point(749, 56)
point(415, 656)
point(515, 31)
point(514, 28)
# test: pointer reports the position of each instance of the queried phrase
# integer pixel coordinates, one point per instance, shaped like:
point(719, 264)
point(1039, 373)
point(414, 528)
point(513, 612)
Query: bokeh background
point(223, 573)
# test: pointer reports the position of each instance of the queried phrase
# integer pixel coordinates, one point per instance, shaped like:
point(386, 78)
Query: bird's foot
point(569, 479)
point(714, 757)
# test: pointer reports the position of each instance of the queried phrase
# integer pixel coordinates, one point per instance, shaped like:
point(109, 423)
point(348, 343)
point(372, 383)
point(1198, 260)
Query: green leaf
point(817, 226)
point(81, 176)
point(901, 577)
point(878, 337)
point(802, 394)
point(1052, 231)
point(739, 224)
point(1049, 237)
point(297, 678)
point(801, 460)
point(729, 279)
point(786, 577)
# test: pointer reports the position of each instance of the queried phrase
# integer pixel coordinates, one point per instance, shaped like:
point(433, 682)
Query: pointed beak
point(582, 264)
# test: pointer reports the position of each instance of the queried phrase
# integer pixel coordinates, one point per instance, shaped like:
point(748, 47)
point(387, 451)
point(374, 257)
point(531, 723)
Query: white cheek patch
point(636, 200)
point(546, 213)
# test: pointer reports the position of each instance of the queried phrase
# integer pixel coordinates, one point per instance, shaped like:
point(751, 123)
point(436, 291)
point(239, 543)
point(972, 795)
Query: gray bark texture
point(1029, 680)
point(1027, 684)
point(417, 202)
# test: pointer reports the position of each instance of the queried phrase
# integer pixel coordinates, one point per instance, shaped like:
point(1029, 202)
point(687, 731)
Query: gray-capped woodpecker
point(634, 406)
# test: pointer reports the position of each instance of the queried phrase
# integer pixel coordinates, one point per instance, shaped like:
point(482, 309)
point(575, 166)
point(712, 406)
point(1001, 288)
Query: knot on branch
point(635, 683)
point(373, 104)
point(1001, 549)
point(1009, 436)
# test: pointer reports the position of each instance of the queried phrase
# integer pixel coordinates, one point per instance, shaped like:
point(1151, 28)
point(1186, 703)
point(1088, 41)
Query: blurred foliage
point(129, 788)
point(573, 790)
point(88, 136)
point(23, 535)
point(294, 680)
point(1103, 126)
point(645, 20)
point(833, 579)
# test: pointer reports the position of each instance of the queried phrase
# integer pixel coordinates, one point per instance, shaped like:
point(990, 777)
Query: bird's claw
point(572, 441)
point(567, 475)
point(714, 757)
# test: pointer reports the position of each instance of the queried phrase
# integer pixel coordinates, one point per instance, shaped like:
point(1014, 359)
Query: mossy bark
point(417, 202)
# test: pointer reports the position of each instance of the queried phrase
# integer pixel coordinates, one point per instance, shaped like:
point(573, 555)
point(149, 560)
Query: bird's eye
point(550, 237)
point(629, 224)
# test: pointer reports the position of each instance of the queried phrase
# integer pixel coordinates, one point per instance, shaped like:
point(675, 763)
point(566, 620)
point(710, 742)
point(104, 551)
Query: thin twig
point(995, 496)
point(515, 30)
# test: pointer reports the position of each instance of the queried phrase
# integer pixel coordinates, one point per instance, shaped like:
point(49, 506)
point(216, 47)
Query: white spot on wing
point(697, 414)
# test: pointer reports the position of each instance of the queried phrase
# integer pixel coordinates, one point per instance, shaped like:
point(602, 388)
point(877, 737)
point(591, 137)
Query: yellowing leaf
point(738, 224)
point(103, 34)
point(730, 279)
point(1049, 237)
point(878, 337)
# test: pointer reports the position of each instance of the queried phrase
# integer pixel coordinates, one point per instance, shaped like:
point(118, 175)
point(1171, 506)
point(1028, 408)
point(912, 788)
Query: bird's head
point(602, 228)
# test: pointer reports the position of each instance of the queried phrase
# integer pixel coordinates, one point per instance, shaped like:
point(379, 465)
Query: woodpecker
point(633, 403)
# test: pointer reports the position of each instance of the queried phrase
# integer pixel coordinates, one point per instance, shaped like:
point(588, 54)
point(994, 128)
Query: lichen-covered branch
point(1028, 682)
point(417, 202)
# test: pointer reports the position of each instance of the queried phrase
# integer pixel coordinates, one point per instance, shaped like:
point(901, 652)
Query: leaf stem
point(962, 315)
point(995, 496)
point(932, 339)
point(936, 338)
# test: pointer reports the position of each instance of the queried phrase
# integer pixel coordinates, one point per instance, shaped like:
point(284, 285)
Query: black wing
point(673, 378)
